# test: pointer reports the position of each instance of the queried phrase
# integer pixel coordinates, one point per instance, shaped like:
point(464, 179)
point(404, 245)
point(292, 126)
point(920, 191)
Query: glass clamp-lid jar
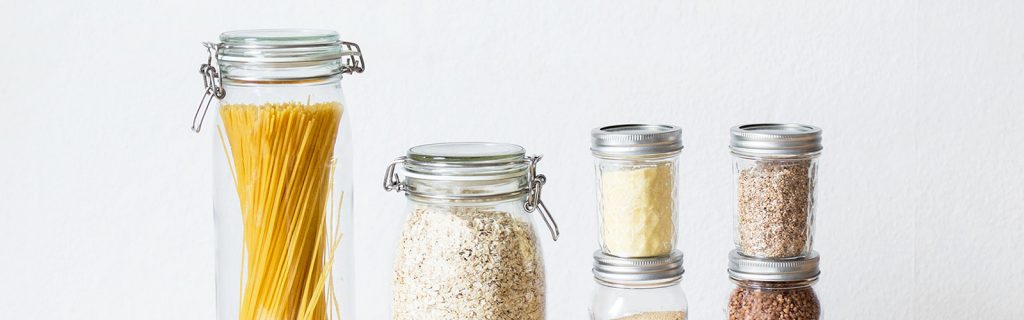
point(775, 168)
point(638, 289)
point(282, 171)
point(291, 60)
point(637, 167)
point(468, 248)
point(774, 289)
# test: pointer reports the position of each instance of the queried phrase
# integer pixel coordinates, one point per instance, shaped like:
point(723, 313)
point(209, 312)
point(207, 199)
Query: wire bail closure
point(535, 181)
point(391, 180)
point(533, 202)
point(352, 61)
point(212, 82)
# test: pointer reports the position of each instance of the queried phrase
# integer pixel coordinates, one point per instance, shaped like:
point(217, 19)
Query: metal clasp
point(391, 180)
point(212, 82)
point(533, 201)
point(353, 59)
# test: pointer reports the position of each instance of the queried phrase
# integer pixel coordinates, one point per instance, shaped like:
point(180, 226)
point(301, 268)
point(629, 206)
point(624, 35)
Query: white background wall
point(104, 193)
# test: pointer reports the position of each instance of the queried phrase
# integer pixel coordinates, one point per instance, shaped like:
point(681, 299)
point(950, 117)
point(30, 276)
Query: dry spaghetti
point(283, 166)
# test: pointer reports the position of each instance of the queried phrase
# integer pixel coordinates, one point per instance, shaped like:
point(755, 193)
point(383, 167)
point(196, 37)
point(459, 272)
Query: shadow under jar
point(468, 248)
point(638, 289)
point(282, 173)
point(774, 289)
point(775, 168)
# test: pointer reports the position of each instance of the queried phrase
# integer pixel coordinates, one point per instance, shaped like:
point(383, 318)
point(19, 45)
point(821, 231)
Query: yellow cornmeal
point(636, 211)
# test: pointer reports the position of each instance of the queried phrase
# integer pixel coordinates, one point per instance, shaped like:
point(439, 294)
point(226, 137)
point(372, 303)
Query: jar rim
point(774, 285)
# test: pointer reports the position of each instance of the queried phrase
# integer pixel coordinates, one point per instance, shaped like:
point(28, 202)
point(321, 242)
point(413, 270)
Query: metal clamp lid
point(535, 184)
point(351, 56)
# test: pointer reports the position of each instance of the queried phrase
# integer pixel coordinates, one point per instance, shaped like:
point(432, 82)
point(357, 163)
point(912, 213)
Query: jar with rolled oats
point(468, 248)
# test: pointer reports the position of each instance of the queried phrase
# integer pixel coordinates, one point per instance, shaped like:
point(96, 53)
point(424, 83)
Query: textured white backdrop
point(104, 193)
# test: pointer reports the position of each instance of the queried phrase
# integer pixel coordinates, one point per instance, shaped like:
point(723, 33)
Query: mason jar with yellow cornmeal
point(637, 166)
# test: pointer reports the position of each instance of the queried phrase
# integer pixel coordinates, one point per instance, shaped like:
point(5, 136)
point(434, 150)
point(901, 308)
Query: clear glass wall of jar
point(638, 289)
point(468, 248)
point(774, 289)
point(637, 167)
point(282, 173)
point(775, 168)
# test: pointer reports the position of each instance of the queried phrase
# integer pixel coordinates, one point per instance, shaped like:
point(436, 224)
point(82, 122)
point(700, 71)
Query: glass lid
point(278, 37)
point(467, 159)
point(280, 47)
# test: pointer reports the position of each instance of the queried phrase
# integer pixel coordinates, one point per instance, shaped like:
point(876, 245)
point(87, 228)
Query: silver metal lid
point(635, 140)
point(775, 139)
point(638, 272)
point(773, 270)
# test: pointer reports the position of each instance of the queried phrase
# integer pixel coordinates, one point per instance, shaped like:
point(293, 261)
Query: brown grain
point(774, 304)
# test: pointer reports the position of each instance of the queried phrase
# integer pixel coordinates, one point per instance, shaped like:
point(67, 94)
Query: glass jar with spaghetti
point(282, 173)
point(468, 248)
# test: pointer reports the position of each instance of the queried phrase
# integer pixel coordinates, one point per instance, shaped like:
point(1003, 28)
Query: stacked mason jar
point(774, 266)
point(638, 270)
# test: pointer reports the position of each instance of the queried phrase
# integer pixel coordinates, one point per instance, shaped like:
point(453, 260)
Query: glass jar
point(774, 289)
point(637, 166)
point(638, 289)
point(776, 170)
point(468, 249)
point(282, 173)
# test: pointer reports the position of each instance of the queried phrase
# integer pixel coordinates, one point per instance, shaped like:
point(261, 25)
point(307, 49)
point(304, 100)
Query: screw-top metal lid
point(775, 139)
point(638, 272)
point(635, 140)
point(773, 270)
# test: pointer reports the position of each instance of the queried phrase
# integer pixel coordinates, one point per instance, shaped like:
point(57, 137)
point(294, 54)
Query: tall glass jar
point(468, 248)
point(776, 171)
point(774, 289)
point(638, 289)
point(637, 167)
point(282, 173)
